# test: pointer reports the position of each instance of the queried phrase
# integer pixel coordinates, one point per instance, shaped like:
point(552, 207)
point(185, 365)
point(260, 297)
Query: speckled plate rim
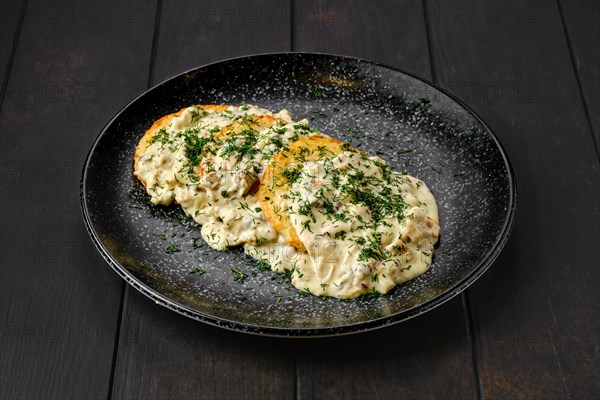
point(436, 301)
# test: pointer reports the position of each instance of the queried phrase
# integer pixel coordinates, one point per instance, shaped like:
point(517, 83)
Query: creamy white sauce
point(366, 228)
point(355, 249)
point(221, 199)
point(162, 165)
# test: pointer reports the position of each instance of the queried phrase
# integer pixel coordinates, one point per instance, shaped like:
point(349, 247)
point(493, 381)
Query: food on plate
point(171, 145)
point(355, 226)
point(282, 172)
point(338, 222)
point(220, 192)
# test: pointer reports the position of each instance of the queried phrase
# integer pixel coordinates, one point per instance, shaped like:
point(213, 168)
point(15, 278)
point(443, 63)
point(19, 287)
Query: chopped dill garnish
point(292, 174)
point(372, 249)
point(197, 243)
point(316, 92)
point(263, 265)
point(161, 136)
point(198, 271)
point(194, 147)
point(404, 151)
point(420, 104)
point(287, 274)
point(239, 275)
point(173, 248)
point(246, 148)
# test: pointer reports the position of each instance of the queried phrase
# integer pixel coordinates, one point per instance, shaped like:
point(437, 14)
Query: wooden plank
point(536, 310)
point(11, 14)
point(387, 31)
point(212, 31)
point(430, 356)
point(581, 18)
point(59, 300)
point(424, 358)
point(162, 354)
point(165, 355)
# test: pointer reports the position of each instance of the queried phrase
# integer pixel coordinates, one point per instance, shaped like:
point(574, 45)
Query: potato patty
point(280, 174)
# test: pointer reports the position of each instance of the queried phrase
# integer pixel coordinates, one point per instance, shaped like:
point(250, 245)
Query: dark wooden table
point(71, 328)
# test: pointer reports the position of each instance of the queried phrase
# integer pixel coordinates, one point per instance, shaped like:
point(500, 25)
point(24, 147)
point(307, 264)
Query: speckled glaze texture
point(373, 107)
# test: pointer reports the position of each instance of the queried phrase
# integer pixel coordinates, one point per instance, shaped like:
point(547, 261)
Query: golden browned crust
point(162, 123)
point(274, 184)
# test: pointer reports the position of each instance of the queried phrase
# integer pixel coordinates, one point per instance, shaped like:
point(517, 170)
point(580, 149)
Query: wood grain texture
point(536, 310)
point(59, 300)
point(582, 19)
point(386, 31)
point(10, 15)
point(164, 355)
point(171, 356)
point(428, 357)
point(197, 33)
point(423, 358)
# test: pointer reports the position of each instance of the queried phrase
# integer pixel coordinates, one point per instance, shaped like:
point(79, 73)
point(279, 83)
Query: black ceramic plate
point(415, 126)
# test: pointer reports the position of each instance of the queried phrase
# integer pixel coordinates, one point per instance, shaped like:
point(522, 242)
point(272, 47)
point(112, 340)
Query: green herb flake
point(316, 92)
point(239, 275)
point(198, 271)
point(404, 151)
point(197, 242)
point(263, 266)
point(173, 248)
point(420, 104)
